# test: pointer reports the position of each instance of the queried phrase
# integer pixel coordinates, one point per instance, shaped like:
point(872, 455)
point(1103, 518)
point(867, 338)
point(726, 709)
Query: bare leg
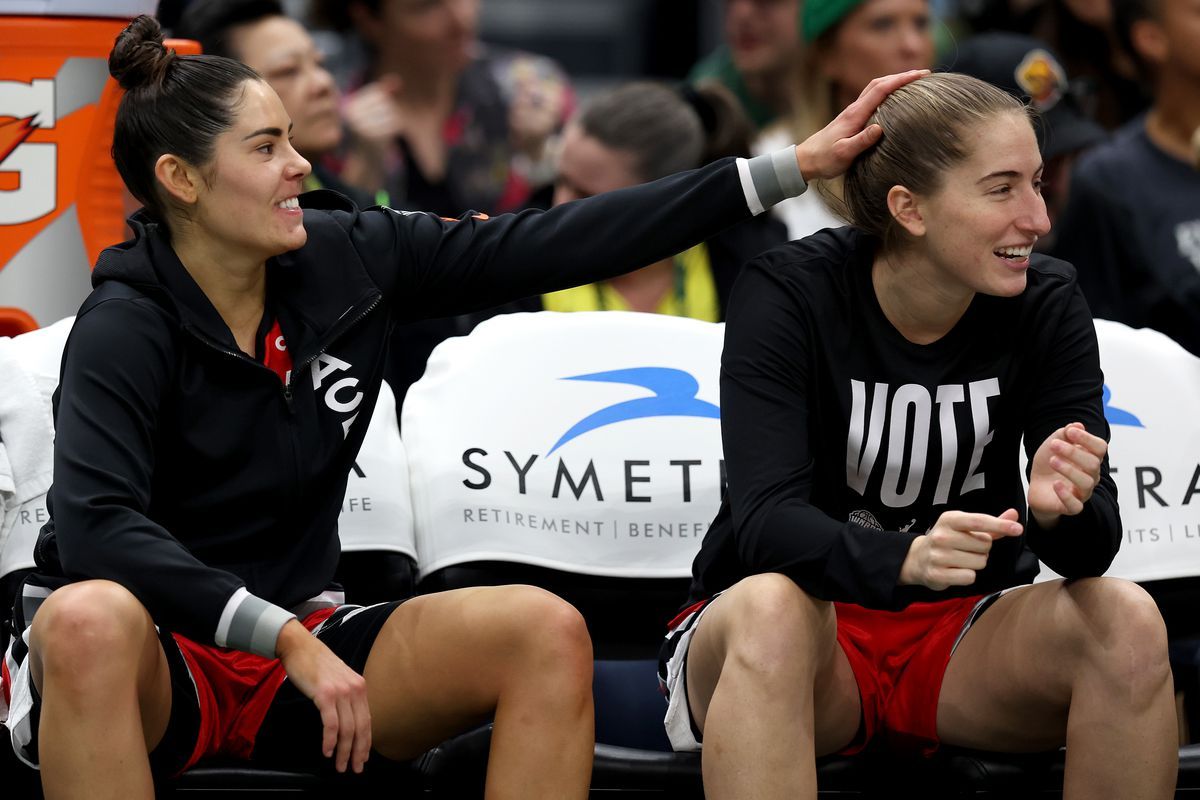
point(445, 662)
point(770, 688)
point(106, 692)
point(1083, 663)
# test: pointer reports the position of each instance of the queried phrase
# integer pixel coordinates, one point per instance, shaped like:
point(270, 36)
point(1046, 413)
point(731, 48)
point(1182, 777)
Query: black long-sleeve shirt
point(844, 441)
point(186, 472)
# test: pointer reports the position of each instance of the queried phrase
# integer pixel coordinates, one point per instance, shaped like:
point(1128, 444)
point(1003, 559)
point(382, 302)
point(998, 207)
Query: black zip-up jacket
point(186, 472)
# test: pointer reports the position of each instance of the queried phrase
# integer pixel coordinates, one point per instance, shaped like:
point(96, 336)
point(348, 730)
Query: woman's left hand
point(830, 151)
point(1065, 471)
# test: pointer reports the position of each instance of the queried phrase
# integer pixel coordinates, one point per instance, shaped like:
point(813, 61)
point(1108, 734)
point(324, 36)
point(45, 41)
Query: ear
point(180, 180)
point(905, 208)
point(1149, 40)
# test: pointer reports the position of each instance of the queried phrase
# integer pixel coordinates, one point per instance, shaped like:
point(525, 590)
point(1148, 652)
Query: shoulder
point(814, 261)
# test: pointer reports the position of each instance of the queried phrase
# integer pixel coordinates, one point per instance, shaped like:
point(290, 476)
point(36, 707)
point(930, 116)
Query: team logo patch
point(1042, 78)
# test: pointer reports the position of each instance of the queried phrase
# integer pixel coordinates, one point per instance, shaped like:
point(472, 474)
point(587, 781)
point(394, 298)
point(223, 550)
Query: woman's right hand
point(339, 693)
point(830, 151)
point(955, 548)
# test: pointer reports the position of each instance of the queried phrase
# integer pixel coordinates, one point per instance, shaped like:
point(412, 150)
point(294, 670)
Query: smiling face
point(280, 50)
point(245, 205)
point(974, 233)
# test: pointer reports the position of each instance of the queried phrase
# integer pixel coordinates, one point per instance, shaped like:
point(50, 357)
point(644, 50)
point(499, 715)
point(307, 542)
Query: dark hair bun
point(138, 57)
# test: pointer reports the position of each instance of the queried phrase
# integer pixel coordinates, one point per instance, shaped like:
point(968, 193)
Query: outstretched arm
point(437, 267)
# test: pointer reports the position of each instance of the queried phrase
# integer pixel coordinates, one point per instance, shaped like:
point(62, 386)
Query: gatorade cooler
point(61, 199)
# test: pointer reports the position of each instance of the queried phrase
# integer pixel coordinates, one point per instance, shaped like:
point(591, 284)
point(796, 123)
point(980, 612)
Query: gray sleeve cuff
point(770, 178)
point(251, 624)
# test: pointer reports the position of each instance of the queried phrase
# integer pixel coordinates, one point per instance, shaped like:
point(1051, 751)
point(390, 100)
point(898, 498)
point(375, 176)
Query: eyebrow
point(268, 132)
point(1007, 174)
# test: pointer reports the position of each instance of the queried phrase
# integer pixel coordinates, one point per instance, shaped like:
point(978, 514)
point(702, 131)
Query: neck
point(644, 289)
point(921, 308)
point(237, 287)
point(421, 87)
point(1174, 118)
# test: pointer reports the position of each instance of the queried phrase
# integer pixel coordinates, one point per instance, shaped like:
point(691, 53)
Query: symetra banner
point(588, 442)
point(1151, 399)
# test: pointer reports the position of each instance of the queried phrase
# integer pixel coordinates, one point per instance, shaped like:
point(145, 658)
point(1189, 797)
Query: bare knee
point(553, 644)
point(1122, 634)
point(777, 630)
point(84, 626)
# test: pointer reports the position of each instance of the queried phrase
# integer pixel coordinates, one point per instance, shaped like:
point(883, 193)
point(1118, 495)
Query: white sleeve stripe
point(752, 201)
point(221, 637)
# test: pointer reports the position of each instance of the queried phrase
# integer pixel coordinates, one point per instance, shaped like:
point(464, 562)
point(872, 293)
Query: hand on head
point(1064, 473)
point(830, 151)
point(956, 548)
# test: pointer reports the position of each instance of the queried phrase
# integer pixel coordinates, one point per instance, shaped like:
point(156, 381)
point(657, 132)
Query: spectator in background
point(1026, 68)
point(641, 132)
point(465, 126)
point(848, 43)
point(259, 34)
point(1083, 33)
point(1132, 223)
point(758, 60)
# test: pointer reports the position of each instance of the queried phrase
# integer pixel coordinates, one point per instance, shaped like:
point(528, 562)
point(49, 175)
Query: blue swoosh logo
point(674, 396)
point(1118, 416)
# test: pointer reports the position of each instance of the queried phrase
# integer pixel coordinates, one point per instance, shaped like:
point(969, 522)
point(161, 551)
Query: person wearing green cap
point(847, 43)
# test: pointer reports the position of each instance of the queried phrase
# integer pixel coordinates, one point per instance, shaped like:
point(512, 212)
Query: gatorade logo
point(28, 169)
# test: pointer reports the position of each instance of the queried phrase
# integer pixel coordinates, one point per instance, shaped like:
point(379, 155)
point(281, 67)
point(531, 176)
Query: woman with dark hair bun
point(864, 583)
point(214, 392)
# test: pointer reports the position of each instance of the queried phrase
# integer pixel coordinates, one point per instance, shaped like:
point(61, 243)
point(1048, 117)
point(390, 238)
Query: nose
point(322, 81)
point(298, 168)
point(914, 44)
point(1036, 219)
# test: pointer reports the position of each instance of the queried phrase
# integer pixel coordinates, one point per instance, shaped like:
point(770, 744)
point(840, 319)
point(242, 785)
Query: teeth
point(291, 202)
point(1015, 252)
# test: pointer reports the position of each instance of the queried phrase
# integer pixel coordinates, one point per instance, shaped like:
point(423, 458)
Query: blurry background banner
point(554, 439)
point(1152, 393)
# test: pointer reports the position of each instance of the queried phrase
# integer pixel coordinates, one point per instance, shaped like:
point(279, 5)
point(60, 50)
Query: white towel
point(29, 367)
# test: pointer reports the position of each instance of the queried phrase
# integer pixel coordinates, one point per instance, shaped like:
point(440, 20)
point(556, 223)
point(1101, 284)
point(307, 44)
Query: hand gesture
point(1064, 473)
point(339, 693)
point(372, 114)
point(830, 151)
point(955, 548)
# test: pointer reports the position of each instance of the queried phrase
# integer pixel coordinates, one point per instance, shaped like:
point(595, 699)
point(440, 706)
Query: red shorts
point(234, 691)
point(899, 659)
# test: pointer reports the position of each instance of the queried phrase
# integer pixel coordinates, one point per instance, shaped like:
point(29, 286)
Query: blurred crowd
point(425, 113)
